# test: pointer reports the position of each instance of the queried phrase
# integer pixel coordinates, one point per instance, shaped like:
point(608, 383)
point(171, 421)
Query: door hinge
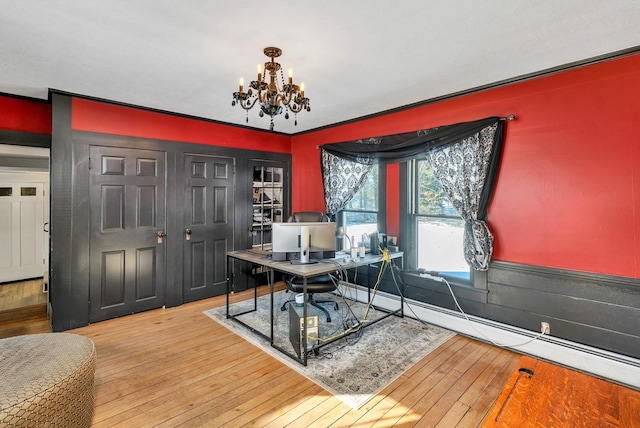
point(89, 162)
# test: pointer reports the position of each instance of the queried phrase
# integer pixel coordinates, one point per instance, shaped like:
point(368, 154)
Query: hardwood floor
point(176, 367)
point(26, 320)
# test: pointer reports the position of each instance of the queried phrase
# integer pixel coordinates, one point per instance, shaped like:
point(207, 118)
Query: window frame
point(409, 228)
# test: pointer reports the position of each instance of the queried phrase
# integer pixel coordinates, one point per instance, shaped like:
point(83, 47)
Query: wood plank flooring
point(26, 320)
point(20, 294)
point(178, 368)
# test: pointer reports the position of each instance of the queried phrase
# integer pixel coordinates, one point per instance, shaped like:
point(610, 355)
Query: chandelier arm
point(288, 94)
point(247, 104)
point(296, 107)
point(282, 99)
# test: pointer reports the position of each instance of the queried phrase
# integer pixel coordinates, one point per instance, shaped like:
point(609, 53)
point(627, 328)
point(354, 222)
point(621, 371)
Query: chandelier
point(275, 95)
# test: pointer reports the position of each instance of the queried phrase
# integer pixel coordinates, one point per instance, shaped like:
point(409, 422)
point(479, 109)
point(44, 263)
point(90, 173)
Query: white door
point(22, 218)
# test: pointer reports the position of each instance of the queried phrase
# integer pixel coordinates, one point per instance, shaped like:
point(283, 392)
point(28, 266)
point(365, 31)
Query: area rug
point(354, 368)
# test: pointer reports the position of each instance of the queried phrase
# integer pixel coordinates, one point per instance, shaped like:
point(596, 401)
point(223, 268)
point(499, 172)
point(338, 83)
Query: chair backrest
point(308, 216)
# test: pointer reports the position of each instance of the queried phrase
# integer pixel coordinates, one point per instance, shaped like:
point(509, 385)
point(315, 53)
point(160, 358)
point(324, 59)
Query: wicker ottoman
point(46, 380)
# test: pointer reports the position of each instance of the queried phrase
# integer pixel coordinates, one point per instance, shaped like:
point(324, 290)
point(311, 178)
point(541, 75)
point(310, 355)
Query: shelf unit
point(268, 194)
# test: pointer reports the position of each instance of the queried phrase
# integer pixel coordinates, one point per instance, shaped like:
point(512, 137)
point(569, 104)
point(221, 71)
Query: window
point(438, 227)
point(361, 213)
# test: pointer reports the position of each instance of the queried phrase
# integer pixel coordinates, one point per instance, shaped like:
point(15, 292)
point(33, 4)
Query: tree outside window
point(439, 228)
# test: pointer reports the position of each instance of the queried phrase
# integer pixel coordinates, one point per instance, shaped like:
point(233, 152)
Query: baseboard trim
point(617, 368)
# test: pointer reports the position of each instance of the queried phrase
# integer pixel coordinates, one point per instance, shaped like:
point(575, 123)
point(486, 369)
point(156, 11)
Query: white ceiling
point(356, 57)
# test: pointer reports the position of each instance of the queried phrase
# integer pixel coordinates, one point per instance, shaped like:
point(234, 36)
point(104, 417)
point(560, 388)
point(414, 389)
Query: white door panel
point(6, 235)
point(21, 231)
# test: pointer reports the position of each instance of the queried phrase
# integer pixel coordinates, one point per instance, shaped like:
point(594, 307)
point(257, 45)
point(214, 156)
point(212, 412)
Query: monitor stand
point(304, 247)
point(302, 262)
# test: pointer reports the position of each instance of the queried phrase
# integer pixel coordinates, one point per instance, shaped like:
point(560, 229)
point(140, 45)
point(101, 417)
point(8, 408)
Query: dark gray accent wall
point(62, 297)
point(592, 309)
point(70, 234)
point(29, 139)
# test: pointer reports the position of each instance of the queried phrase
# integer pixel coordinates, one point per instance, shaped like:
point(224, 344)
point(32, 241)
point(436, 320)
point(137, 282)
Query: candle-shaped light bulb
point(302, 89)
point(259, 72)
point(290, 75)
point(241, 83)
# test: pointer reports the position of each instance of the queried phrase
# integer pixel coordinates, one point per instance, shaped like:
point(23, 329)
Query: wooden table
point(541, 394)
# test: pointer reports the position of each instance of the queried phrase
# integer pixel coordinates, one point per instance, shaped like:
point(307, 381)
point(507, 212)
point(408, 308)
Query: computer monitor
point(303, 242)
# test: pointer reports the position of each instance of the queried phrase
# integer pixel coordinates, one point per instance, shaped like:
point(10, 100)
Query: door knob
point(187, 234)
point(161, 235)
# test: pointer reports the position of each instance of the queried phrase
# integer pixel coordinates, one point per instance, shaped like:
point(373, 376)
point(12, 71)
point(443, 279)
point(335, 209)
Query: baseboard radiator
point(617, 368)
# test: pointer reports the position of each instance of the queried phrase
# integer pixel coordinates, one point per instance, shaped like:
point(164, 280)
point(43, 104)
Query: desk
point(305, 271)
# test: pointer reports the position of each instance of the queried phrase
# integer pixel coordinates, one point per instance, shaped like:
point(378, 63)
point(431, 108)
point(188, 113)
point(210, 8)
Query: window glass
point(367, 197)
point(439, 228)
point(360, 216)
point(27, 191)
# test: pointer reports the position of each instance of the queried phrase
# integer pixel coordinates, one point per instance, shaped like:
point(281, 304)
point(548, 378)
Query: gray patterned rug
point(354, 368)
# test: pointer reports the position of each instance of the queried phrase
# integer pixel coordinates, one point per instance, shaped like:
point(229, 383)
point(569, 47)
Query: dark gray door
point(208, 225)
point(127, 246)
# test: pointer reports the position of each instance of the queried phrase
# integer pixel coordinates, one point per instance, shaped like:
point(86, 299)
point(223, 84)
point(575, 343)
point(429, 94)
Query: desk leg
point(255, 294)
point(229, 280)
point(400, 291)
point(270, 280)
point(303, 351)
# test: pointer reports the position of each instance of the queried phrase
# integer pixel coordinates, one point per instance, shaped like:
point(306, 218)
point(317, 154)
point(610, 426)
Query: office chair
point(315, 284)
point(308, 216)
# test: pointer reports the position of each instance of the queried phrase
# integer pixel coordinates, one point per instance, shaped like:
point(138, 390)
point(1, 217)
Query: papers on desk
point(341, 256)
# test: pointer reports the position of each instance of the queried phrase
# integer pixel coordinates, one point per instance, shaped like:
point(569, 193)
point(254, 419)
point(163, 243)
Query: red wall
point(568, 190)
point(94, 116)
point(22, 115)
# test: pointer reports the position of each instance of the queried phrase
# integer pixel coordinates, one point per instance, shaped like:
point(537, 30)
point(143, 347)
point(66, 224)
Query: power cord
point(359, 323)
point(435, 276)
point(404, 299)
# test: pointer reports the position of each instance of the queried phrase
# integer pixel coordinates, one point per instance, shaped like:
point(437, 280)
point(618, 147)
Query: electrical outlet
point(544, 328)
